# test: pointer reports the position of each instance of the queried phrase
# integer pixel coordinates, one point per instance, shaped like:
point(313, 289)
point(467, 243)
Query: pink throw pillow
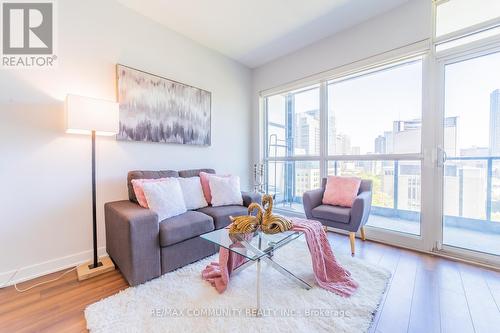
point(137, 184)
point(206, 186)
point(341, 191)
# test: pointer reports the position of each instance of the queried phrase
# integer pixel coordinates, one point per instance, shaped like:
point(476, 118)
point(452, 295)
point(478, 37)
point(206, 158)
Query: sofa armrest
point(311, 200)
point(132, 240)
point(360, 210)
point(250, 197)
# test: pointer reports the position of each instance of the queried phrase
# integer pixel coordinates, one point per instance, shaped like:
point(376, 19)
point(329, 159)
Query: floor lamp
point(92, 117)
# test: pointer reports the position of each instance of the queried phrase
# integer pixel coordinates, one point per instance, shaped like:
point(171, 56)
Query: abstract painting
point(156, 109)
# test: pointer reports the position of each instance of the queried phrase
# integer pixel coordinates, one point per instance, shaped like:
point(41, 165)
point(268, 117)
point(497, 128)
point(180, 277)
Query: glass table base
point(268, 258)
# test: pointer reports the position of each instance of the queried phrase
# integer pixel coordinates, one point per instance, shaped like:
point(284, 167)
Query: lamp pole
point(94, 206)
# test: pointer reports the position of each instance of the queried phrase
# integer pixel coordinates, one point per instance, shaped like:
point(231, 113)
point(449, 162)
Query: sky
point(364, 107)
point(468, 85)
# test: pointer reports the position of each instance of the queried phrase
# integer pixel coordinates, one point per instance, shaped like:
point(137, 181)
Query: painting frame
point(187, 136)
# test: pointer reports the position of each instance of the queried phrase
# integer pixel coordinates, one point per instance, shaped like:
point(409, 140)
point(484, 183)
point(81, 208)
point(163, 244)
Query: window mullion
point(323, 116)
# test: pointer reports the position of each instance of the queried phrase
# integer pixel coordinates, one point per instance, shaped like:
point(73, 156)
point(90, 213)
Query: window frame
point(373, 64)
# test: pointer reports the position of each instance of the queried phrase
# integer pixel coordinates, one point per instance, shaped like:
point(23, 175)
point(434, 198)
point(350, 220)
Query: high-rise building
point(405, 137)
point(389, 142)
point(307, 132)
point(332, 134)
point(307, 177)
point(495, 123)
point(380, 145)
point(343, 144)
point(450, 136)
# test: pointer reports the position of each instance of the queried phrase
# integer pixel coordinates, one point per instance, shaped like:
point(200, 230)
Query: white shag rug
point(180, 301)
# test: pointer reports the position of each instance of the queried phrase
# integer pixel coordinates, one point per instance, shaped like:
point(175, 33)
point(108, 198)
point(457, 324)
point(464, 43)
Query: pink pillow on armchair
point(341, 191)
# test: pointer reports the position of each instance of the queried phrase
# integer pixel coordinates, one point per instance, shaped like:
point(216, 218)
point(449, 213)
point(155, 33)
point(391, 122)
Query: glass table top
point(252, 246)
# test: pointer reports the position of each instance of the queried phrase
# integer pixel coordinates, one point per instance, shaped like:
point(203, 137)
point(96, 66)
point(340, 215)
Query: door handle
point(442, 157)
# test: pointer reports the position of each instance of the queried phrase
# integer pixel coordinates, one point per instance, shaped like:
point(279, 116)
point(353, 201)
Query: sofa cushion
point(221, 214)
point(225, 191)
point(205, 184)
point(138, 174)
point(185, 226)
point(332, 213)
point(165, 198)
point(137, 184)
point(192, 192)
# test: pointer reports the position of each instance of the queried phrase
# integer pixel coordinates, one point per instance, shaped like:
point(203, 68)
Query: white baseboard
point(33, 271)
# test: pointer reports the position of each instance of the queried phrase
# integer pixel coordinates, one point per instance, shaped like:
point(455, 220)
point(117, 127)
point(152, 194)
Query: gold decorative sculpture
point(264, 220)
point(247, 223)
point(272, 223)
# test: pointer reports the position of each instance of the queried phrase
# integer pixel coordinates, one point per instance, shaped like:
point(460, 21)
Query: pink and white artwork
point(155, 109)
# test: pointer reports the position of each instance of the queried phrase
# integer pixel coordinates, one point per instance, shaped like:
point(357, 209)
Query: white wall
point(399, 27)
point(45, 174)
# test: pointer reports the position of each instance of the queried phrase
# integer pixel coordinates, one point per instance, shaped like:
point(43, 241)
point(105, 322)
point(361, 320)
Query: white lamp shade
point(84, 115)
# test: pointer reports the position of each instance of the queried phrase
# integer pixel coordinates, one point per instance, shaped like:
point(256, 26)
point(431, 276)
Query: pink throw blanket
point(328, 272)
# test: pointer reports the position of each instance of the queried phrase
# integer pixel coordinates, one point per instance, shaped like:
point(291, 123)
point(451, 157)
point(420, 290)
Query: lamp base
point(86, 271)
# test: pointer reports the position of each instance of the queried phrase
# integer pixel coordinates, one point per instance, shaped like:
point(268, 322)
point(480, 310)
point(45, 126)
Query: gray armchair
point(345, 218)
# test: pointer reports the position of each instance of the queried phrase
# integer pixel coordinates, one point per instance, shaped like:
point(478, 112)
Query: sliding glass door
point(467, 53)
point(470, 155)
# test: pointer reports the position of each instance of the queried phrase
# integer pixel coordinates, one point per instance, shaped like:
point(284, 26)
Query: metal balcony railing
point(288, 195)
point(489, 180)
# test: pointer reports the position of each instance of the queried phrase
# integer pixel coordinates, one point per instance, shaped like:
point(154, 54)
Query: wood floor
point(425, 294)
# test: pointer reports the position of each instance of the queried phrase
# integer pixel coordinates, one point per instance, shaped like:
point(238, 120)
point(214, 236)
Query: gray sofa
point(350, 219)
point(144, 248)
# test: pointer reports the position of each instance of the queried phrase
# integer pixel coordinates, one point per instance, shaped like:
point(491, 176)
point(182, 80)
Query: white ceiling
point(255, 32)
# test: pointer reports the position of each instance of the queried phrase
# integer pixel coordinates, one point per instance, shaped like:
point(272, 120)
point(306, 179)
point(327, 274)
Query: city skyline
point(370, 103)
point(307, 129)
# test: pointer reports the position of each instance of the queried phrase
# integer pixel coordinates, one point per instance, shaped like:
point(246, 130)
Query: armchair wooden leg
point(363, 235)
point(352, 239)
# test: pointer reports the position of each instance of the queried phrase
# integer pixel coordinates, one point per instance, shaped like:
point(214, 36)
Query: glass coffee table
point(256, 247)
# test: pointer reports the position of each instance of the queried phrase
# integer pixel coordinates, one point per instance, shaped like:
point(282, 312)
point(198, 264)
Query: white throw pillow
point(192, 192)
point(225, 190)
point(165, 198)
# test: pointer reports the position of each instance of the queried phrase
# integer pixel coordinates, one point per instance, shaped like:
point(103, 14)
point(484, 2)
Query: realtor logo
point(28, 34)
